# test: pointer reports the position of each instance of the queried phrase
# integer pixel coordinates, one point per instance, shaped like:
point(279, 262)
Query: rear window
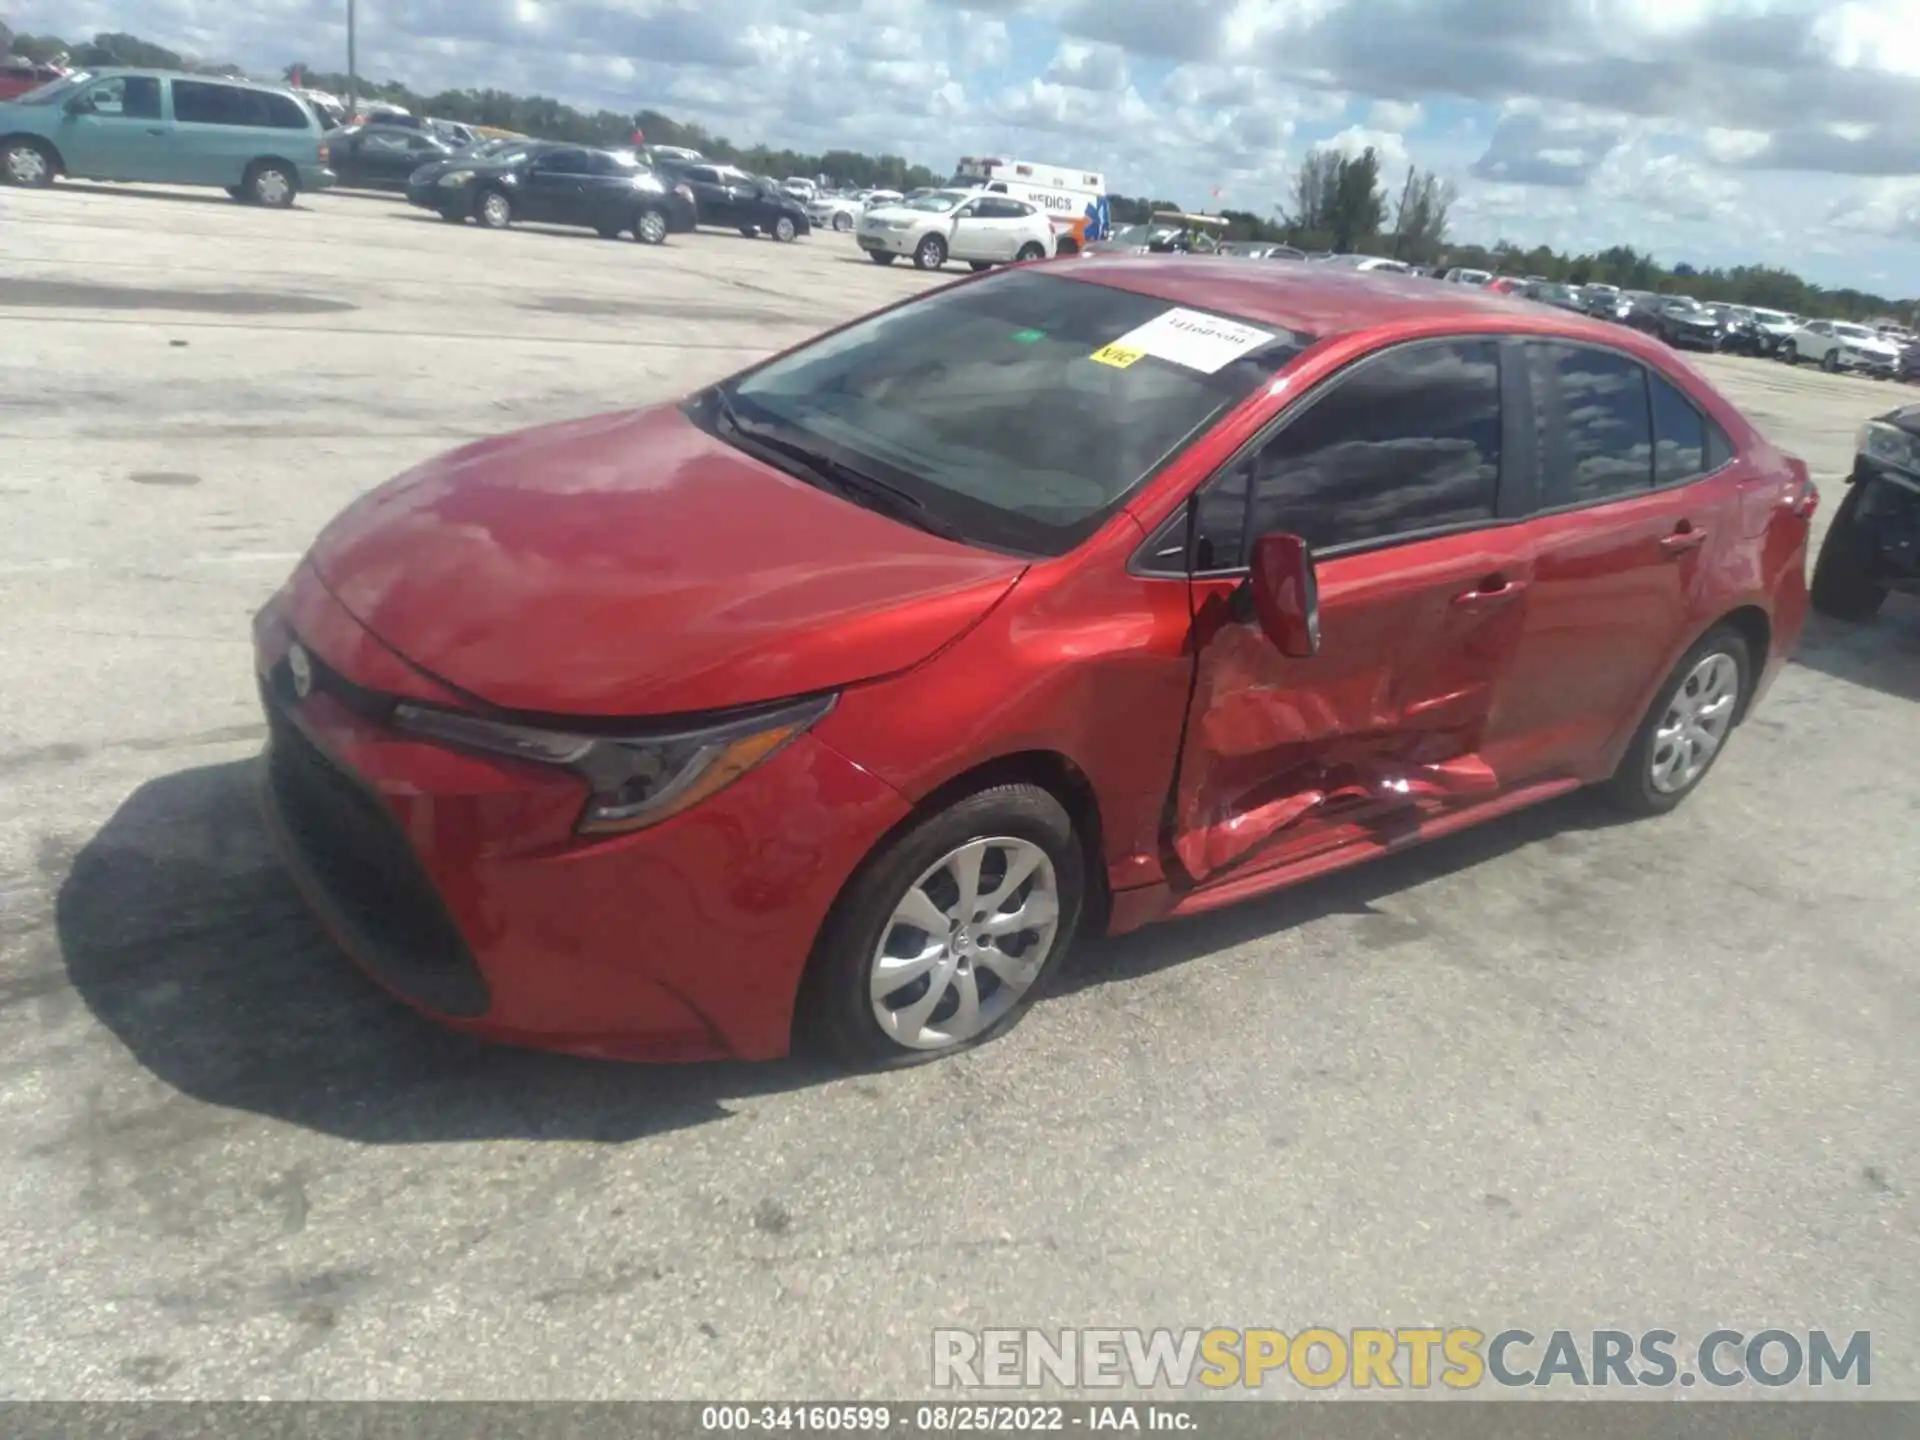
point(1022, 409)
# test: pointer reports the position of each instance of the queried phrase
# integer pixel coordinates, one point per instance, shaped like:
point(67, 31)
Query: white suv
point(1838, 345)
point(842, 212)
point(981, 229)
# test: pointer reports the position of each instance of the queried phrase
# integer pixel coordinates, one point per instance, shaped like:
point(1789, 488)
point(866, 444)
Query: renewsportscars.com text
point(1457, 1358)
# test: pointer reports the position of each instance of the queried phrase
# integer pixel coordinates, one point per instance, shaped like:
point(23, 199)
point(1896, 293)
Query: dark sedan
point(734, 200)
point(603, 190)
point(1681, 321)
point(1739, 330)
point(383, 157)
point(1561, 297)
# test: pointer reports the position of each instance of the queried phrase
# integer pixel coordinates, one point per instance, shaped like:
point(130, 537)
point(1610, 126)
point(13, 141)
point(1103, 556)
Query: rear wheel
point(1789, 352)
point(1687, 726)
point(882, 257)
point(27, 162)
point(843, 222)
point(931, 253)
point(947, 934)
point(978, 265)
point(272, 184)
point(650, 226)
point(1843, 585)
point(784, 229)
point(495, 210)
point(1830, 362)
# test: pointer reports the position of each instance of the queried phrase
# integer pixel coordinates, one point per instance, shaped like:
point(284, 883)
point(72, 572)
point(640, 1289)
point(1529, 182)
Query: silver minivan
point(260, 143)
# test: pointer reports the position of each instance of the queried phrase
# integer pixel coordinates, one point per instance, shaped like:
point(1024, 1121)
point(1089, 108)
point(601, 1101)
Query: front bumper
point(1693, 337)
point(456, 881)
point(1870, 364)
point(897, 242)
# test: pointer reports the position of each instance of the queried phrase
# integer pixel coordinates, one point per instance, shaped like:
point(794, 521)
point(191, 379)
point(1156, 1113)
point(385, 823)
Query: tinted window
point(567, 162)
point(1406, 441)
point(986, 402)
point(1679, 435)
point(1596, 438)
point(379, 143)
point(200, 103)
point(286, 113)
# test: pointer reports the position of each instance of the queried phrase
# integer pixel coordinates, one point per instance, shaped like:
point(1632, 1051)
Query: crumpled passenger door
point(1283, 757)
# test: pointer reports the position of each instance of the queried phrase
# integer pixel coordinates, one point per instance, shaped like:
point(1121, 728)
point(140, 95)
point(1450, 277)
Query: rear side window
point(198, 102)
point(1595, 425)
point(286, 113)
point(1679, 435)
point(1405, 442)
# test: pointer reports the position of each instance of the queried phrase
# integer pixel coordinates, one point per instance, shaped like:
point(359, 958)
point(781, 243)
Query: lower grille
point(367, 875)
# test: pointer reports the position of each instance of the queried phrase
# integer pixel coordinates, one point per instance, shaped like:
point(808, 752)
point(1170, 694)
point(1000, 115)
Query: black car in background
point(383, 157)
point(1739, 330)
point(1680, 320)
point(603, 190)
point(734, 200)
point(1873, 545)
point(1561, 297)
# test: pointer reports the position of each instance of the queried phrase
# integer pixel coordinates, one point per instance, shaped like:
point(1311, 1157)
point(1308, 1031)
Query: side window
point(142, 97)
point(1596, 435)
point(1719, 447)
point(1406, 441)
point(286, 113)
point(109, 97)
point(197, 102)
point(1679, 435)
point(702, 174)
point(568, 162)
point(375, 143)
point(421, 145)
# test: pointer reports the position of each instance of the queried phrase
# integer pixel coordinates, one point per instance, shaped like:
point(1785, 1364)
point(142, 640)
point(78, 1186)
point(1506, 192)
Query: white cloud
point(1889, 208)
point(1399, 116)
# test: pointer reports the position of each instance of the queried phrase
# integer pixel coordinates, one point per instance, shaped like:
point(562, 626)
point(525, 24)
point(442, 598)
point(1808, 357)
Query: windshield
point(938, 200)
point(1854, 332)
point(54, 89)
point(1772, 317)
point(1684, 303)
point(1006, 406)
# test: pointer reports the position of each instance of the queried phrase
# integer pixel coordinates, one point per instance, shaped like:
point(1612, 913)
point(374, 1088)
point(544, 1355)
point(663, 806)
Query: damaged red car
point(840, 697)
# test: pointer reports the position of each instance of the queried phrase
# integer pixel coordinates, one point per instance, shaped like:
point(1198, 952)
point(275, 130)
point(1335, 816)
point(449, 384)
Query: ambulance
point(1075, 200)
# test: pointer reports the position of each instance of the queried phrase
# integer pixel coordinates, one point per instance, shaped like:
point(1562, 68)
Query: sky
point(1714, 132)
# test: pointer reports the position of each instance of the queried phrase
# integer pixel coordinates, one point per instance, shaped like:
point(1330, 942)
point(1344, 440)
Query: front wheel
point(28, 163)
point(931, 253)
point(495, 210)
point(1687, 726)
point(1790, 352)
point(650, 227)
point(1032, 250)
point(882, 257)
point(750, 232)
point(843, 222)
point(978, 265)
point(1830, 362)
point(1843, 585)
point(784, 229)
point(946, 936)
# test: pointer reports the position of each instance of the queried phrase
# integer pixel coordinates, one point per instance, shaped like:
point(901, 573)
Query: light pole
point(353, 73)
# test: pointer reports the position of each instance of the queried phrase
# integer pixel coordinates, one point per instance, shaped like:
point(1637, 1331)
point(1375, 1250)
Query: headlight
point(1889, 445)
point(456, 177)
point(639, 780)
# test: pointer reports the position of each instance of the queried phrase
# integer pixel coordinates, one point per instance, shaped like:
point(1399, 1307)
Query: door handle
point(156, 129)
point(1493, 588)
point(1683, 539)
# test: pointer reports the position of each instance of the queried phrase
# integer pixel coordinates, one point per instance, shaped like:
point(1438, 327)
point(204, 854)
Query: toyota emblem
point(301, 668)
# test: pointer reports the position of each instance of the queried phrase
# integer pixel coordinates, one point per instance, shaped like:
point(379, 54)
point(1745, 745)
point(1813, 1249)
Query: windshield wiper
point(850, 481)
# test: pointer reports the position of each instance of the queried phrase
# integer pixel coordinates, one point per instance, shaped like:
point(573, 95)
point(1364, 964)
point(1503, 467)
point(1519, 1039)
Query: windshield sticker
point(1190, 338)
point(1117, 355)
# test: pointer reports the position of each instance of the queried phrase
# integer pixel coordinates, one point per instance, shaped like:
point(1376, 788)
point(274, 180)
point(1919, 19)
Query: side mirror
point(1286, 594)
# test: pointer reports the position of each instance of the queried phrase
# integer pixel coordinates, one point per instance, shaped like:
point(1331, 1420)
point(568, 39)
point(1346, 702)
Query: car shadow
point(185, 939)
point(177, 197)
point(1881, 654)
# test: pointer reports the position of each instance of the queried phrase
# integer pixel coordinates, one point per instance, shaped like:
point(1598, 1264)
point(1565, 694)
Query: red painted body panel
point(634, 566)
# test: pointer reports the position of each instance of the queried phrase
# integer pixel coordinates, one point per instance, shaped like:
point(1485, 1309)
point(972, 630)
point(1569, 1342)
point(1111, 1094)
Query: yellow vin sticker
point(1118, 356)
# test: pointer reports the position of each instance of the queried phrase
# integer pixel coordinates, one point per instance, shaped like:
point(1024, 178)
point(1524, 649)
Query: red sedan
point(841, 696)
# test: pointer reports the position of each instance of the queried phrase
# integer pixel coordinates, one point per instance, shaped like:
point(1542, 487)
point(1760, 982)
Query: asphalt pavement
point(1553, 1073)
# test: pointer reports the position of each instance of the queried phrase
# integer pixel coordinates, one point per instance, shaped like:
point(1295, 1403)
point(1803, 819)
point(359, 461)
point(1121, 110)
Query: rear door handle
point(1488, 591)
point(1683, 539)
point(156, 129)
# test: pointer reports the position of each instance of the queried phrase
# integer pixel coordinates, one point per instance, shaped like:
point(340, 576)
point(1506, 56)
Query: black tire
point(607, 232)
point(930, 253)
point(27, 162)
point(1032, 250)
point(1843, 585)
point(784, 230)
point(272, 184)
point(651, 226)
point(750, 232)
point(452, 217)
point(882, 257)
point(978, 265)
point(1830, 362)
point(493, 208)
point(1790, 352)
point(1631, 786)
point(836, 1007)
point(237, 192)
point(843, 222)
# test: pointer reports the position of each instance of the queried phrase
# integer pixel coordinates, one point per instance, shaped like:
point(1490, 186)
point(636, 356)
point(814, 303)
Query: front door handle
point(156, 129)
point(1491, 590)
point(1684, 539)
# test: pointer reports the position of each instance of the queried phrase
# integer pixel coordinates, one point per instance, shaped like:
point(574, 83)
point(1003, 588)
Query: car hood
point(635, 565)
point(1873, 347)
point(901, 212)
point(1906, 418)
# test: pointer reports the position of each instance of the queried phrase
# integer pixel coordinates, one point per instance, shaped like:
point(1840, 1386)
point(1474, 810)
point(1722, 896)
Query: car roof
point(1327, 301)
point(107, 72)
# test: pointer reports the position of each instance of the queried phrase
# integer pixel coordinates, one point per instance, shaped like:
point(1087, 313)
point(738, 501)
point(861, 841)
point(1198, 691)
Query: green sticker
point(1028, 337)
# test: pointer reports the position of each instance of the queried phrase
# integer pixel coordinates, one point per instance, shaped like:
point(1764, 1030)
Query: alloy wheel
point(965, 943)
point(1696, 723)
point(271, 187)
point(26, 165)
point(652, 228)
point(496, 210)
point(783, 229)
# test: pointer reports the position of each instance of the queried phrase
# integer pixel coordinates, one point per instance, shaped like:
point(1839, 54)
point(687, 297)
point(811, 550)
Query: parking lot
point(1555, 1072)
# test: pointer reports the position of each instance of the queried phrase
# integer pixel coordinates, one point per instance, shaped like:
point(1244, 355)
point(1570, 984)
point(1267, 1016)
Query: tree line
point(1336, 201)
